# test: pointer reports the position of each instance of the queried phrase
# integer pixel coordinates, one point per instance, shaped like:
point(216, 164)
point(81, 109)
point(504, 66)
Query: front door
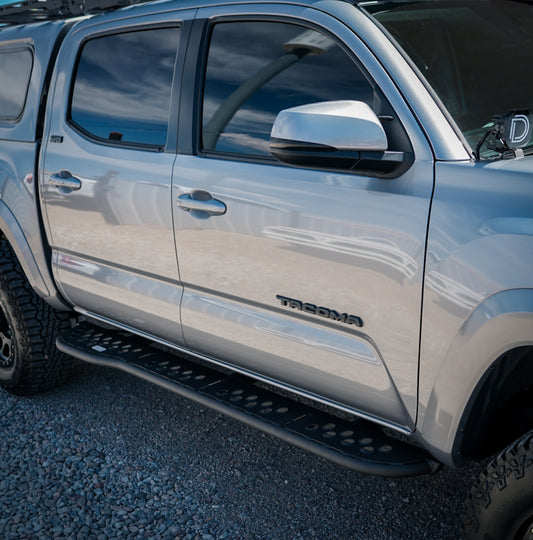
point(309, 277)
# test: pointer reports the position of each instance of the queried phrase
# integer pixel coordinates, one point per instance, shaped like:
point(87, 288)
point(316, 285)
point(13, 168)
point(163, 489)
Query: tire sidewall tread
point(38, 365)
point(502, 497)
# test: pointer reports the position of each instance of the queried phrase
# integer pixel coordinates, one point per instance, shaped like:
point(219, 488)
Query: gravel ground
point(107, 456)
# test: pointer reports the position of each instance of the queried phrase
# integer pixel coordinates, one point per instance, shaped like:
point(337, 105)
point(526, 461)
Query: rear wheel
point(500, 505)
point(29, 360)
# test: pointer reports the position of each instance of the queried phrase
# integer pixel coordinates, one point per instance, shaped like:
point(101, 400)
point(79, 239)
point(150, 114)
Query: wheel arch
point(489, 362)
point(12, 232)
point(501, 408)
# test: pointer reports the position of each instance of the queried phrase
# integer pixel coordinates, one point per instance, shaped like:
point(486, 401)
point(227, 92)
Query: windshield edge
point(421, 78)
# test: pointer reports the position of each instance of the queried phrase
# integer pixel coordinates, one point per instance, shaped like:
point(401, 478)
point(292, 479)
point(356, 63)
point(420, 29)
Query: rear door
point(106, 176)
point(309, 278)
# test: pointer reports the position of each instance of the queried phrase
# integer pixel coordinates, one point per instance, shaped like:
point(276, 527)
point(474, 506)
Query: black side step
point(359, 445)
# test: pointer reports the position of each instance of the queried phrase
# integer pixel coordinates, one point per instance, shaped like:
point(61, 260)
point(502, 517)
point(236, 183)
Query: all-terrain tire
point(500, 505)
point(29, 360)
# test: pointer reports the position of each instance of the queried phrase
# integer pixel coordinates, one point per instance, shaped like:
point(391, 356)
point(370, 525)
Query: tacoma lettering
point(321, 311)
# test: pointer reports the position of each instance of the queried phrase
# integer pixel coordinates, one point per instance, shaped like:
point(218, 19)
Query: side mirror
point(339, 135)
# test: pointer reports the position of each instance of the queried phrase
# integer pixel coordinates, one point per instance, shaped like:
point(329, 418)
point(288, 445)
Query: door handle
point(199, 203)
point(65, 181)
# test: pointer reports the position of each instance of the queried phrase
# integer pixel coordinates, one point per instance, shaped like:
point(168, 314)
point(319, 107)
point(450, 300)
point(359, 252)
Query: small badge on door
point(321, 311)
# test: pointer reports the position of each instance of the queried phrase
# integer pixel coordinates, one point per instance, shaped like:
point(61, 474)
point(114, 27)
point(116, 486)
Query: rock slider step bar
point(358, 445)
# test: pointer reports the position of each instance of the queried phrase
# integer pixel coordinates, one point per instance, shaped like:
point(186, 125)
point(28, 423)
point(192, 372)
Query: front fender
point(502, 322)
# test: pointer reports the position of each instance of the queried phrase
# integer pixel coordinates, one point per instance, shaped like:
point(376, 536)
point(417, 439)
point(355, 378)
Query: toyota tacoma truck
point(313, 216)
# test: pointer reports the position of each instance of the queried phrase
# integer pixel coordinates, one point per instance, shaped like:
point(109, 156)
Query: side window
point(15, 73)
point(256, 69)
point(122, 87)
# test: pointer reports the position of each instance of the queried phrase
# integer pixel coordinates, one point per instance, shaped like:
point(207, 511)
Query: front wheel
point(29, 360)
point(500, 505)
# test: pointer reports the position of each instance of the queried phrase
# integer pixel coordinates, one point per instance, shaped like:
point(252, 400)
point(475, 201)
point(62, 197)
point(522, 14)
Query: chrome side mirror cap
point(335, 135)
point(343, 125)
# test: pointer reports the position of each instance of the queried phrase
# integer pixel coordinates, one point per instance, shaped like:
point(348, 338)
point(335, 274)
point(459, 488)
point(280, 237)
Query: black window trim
point(205, 29)
point(19, 47)
point(170, 144)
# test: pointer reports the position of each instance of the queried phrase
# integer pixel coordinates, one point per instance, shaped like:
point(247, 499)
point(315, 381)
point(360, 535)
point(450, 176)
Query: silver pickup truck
point(314, 216)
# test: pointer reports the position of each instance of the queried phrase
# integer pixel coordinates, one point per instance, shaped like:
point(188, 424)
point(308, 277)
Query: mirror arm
point(384, 164)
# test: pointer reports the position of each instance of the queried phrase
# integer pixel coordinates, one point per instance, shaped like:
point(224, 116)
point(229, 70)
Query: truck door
point(305, 276)
point(109, 148)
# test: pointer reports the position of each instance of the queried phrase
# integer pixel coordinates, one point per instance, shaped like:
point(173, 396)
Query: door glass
point(123, 85)
point(256, 69)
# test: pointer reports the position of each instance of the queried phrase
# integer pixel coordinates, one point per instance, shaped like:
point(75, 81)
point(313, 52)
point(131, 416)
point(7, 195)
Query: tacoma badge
point(321, 311)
